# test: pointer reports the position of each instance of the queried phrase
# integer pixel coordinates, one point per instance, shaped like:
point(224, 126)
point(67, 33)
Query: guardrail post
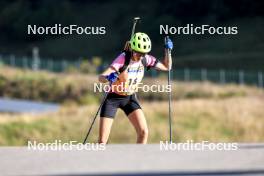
point(36, 59)
point(12, 60)
point(241, 77)
point(186, 74)
point(204, 74)
point(64, 65)
point(25, 62)
point(50, 65)
point(222, 76)
point(1, 60)
point(260, 79)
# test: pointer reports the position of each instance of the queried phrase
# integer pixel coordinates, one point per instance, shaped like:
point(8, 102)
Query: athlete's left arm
point(166, 64)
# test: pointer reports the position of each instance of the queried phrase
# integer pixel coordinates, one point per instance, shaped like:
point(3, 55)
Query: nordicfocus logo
point(59, 145)
point(100, 87)
point(189, 145)
point(58, 29)
point(190, 29)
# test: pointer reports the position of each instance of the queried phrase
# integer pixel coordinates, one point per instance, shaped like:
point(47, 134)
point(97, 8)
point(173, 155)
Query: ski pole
point(90, 129)
point(169, 84)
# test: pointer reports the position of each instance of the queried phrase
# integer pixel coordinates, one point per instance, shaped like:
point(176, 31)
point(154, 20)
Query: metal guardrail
point(221, 76)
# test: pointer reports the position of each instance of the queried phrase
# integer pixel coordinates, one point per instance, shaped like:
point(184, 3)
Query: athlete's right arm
point(114, 67)
point(108, 71)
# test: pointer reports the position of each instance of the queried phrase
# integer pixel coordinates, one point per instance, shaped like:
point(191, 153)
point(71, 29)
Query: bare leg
point(104, 129)
point(138, 120)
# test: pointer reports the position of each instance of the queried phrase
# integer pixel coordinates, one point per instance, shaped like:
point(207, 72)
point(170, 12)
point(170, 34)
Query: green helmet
point(140, 42)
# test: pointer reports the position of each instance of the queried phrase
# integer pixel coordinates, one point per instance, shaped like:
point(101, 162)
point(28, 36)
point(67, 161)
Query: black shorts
point(114, 101)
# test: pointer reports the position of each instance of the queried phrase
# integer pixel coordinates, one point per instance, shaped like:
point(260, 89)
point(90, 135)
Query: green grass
point(196, 120)
point(201, 111)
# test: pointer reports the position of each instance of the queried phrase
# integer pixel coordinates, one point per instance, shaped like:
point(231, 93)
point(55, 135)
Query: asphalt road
point(133, 160)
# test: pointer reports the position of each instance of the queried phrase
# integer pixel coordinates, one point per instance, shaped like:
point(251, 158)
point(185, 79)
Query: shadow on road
point(251, 146)
point(184, 173)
